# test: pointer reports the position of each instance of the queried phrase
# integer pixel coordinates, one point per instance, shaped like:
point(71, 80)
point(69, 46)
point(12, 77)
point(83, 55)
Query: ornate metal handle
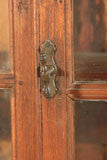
point(48, 69)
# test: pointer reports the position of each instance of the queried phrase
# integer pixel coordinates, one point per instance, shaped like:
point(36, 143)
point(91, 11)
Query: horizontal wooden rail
point(7, 80)
point(6, 76)
point(95, 94)
point(88, 85)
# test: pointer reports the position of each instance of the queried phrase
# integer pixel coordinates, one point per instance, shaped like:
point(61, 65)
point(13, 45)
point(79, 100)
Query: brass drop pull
point(48, 69)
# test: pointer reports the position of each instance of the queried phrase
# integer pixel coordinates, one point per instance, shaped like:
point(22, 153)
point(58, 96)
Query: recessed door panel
point(4, 36)
point(90, 40)
point(5, 125)
point(91, 130)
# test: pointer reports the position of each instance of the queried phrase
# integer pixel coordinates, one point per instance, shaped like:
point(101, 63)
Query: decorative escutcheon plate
point(48, 69)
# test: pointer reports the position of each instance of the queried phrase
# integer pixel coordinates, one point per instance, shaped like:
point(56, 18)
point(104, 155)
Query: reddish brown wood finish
point(70, 130)
point(90, 90)
point(13, 122)
point(94, 94)
point(52, 26)
point(44, 129)
point(29, 129)
point(27, 91)
point(25, 97)
point(95, 90)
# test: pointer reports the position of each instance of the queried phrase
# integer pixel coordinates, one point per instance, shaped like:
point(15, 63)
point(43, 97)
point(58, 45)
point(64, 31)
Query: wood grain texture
point(44, 129)
point(27, 97)
point(94, 94)
point(91, 90)
point(52, 27)
point(88, 85)
point(70, 130)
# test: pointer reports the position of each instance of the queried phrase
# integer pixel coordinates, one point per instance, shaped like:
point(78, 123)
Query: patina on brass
point(48, 69)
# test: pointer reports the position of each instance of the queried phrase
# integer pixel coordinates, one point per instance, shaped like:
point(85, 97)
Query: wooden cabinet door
point(72, 124)
point(20, 105)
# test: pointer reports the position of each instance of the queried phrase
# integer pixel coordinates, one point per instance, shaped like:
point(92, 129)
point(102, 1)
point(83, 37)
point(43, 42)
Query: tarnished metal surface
point(48, 69)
